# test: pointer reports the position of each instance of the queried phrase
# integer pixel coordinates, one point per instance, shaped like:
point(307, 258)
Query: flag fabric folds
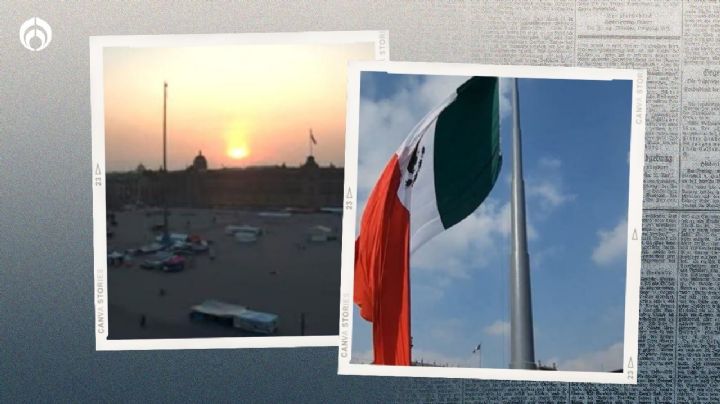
point(312, 137)
point(439, 175)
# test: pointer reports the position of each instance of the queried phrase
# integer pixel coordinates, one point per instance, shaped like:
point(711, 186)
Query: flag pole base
point(523, 365)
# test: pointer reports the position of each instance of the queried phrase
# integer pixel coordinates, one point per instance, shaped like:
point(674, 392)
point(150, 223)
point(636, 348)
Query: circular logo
point(35, 34)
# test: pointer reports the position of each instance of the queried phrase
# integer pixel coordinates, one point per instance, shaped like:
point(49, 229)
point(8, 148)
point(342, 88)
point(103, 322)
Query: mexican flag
point(438, 176)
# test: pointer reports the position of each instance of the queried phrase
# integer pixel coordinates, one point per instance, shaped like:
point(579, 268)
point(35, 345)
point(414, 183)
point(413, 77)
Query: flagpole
point(164, 174)
point(522, 351)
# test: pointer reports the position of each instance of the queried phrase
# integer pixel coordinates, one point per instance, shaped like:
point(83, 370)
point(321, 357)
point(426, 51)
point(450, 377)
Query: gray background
point(47, 343)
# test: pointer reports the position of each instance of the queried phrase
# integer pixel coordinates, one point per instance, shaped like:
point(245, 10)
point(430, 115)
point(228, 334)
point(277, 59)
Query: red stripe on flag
point(382, 275)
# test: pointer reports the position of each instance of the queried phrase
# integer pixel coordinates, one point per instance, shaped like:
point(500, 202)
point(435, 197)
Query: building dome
point(200, 163)
point(310, 163)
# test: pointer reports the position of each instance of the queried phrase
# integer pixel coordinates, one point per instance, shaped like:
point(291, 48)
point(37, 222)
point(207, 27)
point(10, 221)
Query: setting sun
point(241, 104)
point(236, 138)
point(238, 152)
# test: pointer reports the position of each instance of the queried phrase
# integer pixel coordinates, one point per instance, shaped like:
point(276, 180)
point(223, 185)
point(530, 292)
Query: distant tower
point(200, 162)
point(310, 180)
point(310, 163)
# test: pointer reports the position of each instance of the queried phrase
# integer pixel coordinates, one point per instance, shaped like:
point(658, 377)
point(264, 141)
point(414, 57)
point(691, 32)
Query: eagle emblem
point(414, 164)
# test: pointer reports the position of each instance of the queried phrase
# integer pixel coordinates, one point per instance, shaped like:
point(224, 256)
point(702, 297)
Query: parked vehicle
point(175, 263)
point(156, 261)
point(234, 229)
point(243, 237)
point(321, 233)
point(151, 248)
point(199, 247)
point(180, 247)
point(174, 237)
point(236, 316)
point(115, 258)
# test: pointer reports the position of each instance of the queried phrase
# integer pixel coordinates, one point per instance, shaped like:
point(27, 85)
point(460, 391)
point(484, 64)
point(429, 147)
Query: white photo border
point(634, 228)
point(100, 287)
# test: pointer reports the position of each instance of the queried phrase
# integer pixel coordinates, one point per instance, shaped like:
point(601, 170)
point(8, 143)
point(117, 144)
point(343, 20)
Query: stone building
point(307, 186)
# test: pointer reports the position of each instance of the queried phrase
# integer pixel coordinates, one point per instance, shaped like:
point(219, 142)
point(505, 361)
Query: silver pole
point(522, 351)
point(166, 231)
point(165, 126)
point(479, 355)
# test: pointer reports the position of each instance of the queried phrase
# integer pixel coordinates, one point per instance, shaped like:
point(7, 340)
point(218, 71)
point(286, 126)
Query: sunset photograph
point(223, 188)
point(245, 105)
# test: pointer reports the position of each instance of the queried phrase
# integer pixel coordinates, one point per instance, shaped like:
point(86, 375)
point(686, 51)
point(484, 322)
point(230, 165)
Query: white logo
point(35, 34)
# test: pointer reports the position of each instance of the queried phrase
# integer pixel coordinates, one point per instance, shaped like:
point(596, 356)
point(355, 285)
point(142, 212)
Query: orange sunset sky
point(241, 105)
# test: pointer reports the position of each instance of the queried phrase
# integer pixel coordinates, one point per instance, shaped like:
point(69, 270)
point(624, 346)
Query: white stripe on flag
point(404, 152)
point(425, 220)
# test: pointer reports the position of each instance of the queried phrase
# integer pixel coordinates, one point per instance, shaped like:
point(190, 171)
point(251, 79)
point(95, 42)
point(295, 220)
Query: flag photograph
point(492, 224)
point(218, 187)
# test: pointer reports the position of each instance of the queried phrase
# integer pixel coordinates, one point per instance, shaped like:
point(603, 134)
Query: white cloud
point(545, 185)
point(549, 194)
point(505, 94)
point(435, 89)
point(498, 328)
point(550, 162)
point(472, 243)
point(429, 292)
point(481, 238)
point(612, 244)
point(606, 360)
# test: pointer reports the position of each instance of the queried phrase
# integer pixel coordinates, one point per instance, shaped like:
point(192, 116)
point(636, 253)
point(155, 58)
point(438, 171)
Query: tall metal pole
point(522, 350)
point(164, 175)
point(165, 126)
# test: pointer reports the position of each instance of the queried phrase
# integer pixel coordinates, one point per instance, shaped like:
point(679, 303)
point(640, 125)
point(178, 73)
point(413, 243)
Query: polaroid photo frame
point(239, 324)
point(385, 101)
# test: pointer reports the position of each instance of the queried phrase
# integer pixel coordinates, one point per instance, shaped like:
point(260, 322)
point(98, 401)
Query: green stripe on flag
point(467, 156)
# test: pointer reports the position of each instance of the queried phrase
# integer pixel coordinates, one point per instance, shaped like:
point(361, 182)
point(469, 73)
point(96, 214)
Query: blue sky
point(576, 137)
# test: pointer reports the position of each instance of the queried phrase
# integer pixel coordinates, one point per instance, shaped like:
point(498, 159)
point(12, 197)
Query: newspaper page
point(678, 43)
